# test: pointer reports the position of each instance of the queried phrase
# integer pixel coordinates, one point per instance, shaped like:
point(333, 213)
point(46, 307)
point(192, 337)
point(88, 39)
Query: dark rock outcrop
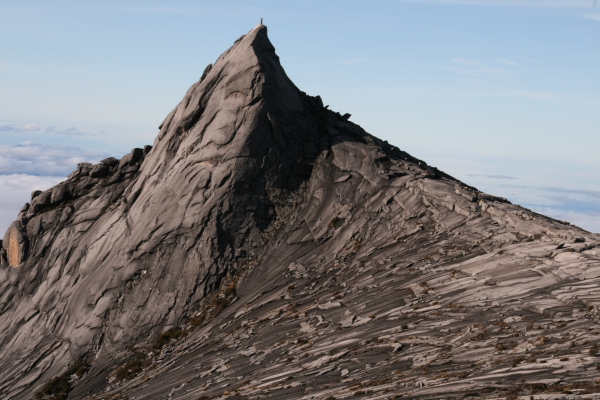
point(282, 252)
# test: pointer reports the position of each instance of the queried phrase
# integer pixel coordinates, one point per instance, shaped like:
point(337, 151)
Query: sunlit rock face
point(267, 247)
point(15, 245)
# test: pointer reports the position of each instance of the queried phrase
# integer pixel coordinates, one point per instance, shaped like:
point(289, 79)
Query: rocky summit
point(268, 247)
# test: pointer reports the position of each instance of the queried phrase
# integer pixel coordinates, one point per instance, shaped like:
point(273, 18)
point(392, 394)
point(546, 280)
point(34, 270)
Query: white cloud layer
point(31, 127)
point(71, 130)
point(16, 191)
point(35, 159)
point(589, 221)
point(31, 166)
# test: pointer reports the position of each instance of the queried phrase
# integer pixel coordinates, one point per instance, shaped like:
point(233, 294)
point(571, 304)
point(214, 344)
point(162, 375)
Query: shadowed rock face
point(287, 253)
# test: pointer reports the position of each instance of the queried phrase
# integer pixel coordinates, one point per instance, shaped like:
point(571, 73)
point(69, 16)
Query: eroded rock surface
point(283, 252)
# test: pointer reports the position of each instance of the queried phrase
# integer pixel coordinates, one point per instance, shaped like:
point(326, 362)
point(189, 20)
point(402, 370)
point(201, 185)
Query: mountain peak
point(246, 84)
point(258, 39)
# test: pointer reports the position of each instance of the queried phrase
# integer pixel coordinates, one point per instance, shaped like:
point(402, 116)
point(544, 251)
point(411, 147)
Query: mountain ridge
point(253, 183)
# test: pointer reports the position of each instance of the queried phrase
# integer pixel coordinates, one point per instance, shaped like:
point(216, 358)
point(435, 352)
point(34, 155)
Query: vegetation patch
point(537, 388)
point(60, 386)
point(139, 361)
point(215, 306)
point(166, 338)
point(132, 368)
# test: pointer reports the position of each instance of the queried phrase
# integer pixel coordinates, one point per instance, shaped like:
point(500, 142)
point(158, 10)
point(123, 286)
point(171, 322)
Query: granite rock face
point(267, 247)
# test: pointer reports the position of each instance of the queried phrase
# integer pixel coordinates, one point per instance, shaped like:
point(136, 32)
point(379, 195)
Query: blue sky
point(504, 95)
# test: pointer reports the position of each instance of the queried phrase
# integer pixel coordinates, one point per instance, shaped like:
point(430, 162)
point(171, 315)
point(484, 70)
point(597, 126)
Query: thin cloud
point(78, 132)
point(35, 159)
point(32, 127)
point(371, 62)
point(536, 95)
point(151, 9)
point(25, 128)
point(7, 128)
point(591, 193)
point(589, 221)
point(506, 61)
point(496, 176)
point(482, 71)
point(466, 62)
point(29, 128)
point(71, 130)
point(511, 3)
point(595, 194)
point(474, 68)
point(595, 17)
point(354, 61)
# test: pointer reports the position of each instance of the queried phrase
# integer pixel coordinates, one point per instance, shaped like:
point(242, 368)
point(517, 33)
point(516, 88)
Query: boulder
point(131, 158)
point(99, 170)
point(41, 201)
point(60, 193)
point(110, 161)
